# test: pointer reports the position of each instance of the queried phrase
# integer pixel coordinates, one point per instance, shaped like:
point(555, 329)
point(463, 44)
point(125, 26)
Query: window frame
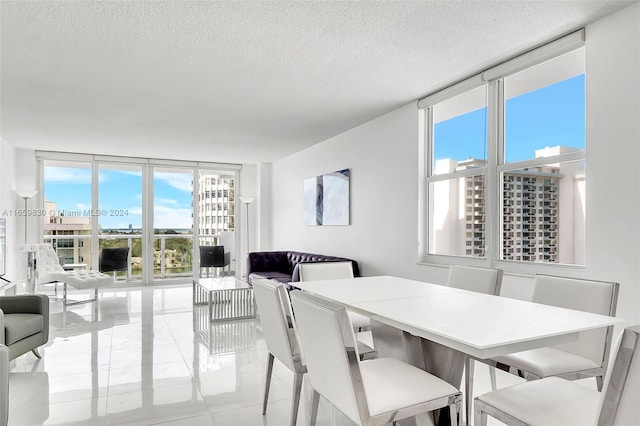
point(496, 163)
point(94, 162)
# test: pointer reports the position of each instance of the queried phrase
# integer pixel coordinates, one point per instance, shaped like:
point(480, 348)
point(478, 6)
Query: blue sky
point(120, 197)
point(551, 116)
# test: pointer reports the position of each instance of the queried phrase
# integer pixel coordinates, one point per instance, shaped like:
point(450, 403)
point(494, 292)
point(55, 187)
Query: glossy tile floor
point(147, 357)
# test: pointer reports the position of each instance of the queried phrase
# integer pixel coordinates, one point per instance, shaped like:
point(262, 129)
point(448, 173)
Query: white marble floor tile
point(155, 405)
point(200, 420)
point(89, 412)
point(145, 376)
point(144, 357)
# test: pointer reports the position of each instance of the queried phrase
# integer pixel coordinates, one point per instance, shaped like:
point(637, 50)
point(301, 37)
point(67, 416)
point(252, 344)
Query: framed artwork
point(326, 199)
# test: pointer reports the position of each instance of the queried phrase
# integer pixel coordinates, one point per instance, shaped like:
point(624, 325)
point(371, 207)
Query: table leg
point(439, 360)
point(210, 298)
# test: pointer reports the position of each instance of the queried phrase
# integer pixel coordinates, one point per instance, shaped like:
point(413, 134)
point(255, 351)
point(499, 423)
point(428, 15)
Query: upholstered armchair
point(4, 385)
point(24, 323)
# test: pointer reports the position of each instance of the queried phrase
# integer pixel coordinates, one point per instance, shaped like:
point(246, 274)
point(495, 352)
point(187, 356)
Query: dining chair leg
point(479, 416)
point(492, 375)
point(267, 382)
point(295, 403)
point(468, 387)
point(315, 401)
point(600, 382)
point(454, 411)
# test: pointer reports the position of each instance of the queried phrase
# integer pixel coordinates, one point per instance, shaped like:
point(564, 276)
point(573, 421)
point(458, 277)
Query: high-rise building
point(69, 232)
point(474, 209)
point(537, 224)
point(216, 204)
point(530, 215)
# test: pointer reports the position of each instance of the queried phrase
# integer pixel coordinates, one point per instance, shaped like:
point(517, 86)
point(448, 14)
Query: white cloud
point(166, 217)
point(181, 181)
point(108, 174)
point(167, 201)
point(67, 174)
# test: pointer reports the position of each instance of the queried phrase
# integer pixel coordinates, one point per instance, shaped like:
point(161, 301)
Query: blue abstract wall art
point(326, 199)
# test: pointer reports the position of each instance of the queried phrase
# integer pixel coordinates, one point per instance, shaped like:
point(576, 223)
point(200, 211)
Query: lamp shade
point(247, 200)
point(26, 193)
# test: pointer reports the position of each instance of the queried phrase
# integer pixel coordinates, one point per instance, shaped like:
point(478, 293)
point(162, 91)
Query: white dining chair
point(480, 280)
point(372, 392)
point(278, 325)
point(320, 271)
point(587, 357)
point(554, 401)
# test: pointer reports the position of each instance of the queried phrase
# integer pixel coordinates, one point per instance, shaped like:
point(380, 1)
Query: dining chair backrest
point(597, 297)
point(318, 271)
point(620, 403)
point(277, 321)
point(329, 348)
point(480, 280)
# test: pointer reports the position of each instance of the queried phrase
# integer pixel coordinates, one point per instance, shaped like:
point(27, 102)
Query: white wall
point(613, 154)
point(7, 204)
point(383, 235)
point(248, 188)
point(24, 179)
point(264, 206)
point(383, 157)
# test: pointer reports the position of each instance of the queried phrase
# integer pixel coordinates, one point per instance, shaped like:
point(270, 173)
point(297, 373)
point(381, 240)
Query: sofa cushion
point(273, 275)
point(20, 326)
point(268, 261)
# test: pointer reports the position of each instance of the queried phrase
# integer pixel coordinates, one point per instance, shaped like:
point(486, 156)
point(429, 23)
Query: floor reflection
point(146, 357)
point(224, 336)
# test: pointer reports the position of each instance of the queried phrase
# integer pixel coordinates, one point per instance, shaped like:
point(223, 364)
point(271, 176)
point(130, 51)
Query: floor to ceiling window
point(216, 196)
point(120, 213)
point(172, 222)
point(67, 223)
point(160, 212)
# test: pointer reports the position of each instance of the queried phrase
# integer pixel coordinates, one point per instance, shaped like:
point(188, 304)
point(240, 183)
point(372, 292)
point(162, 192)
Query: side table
point(227, 298)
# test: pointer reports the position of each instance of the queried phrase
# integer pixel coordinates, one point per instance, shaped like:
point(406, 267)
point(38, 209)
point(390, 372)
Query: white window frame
point(147, 164)
point(495, 161)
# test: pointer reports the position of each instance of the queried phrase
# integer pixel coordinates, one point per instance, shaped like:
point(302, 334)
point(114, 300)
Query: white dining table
point(480, 325)
point(435, 327)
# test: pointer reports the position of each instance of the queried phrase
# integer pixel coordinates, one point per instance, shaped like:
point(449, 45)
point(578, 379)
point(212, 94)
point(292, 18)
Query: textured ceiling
point(243, 81)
